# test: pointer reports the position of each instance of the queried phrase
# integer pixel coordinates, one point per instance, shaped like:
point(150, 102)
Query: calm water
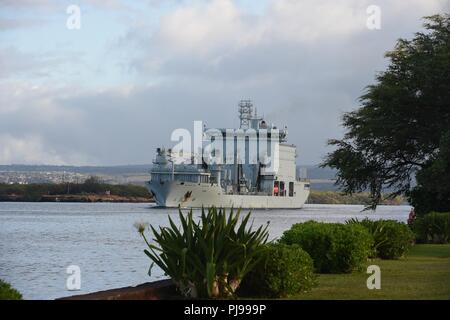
point(38, 241)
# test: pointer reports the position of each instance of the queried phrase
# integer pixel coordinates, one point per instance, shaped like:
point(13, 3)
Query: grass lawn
point(423, 274)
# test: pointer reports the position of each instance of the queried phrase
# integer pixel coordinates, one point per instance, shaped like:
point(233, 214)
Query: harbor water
point(39, 241)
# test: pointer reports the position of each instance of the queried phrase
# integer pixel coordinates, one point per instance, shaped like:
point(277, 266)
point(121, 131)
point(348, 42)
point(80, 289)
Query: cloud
point(13, 24)
point(221, 26)
point(209, 37)
point(15, 63)
point(36, 126)
point(26, 3)
point(26, 150)
point(302, 62)
point(33, 149)
point(51, 5)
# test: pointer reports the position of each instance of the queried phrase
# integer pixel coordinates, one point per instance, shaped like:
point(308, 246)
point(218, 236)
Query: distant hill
point(321, 178)
point(122, 169)
point(312, 171)
point(316, 172)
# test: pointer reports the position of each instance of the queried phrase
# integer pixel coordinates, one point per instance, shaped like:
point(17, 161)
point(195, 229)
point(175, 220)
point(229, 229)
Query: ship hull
point(173, 194)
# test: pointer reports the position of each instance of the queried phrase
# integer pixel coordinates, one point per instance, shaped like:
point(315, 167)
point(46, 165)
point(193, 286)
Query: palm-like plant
point(208, 258)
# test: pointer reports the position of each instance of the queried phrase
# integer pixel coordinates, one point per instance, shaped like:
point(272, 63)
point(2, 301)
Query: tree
point(432, 192)
point(398, 133)
point(93, 184)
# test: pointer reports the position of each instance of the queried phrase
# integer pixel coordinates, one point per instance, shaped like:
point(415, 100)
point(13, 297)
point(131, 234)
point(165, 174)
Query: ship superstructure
point(249, 167)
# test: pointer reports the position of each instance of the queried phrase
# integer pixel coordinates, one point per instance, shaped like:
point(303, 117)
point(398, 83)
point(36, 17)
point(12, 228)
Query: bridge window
point(282, 189)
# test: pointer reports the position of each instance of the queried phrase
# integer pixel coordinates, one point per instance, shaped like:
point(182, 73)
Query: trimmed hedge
point(284, 270)
point(392, 239)
point(433, 227)
point(334, 247)
point(8, 293)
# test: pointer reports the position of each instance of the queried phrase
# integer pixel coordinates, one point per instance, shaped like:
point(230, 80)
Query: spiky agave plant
point(208, 257)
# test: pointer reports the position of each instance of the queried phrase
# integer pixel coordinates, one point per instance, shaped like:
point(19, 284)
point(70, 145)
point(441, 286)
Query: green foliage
point(334, 247)
point(208, 258)
point(93, 185)
point(283, 271)
point(433, 227)
point(8, 293)
point(400, 128)
point(432, 192)
point(336, 197)
point(128, 190)
point(392, 239)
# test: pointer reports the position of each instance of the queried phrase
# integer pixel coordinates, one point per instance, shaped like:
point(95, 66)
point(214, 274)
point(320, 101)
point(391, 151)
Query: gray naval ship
point(239, 177)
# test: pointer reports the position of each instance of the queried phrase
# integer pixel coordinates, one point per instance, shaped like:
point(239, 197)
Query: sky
point(113, 90)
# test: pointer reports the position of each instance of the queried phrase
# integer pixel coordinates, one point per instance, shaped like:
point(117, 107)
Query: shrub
point(284, 270)
point(208, 258)
point(433, 227)
point(392, 239)
point(8, 293)
point(334, 247)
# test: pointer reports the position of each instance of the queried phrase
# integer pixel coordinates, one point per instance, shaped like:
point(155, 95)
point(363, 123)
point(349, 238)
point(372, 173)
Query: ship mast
point(245, 113)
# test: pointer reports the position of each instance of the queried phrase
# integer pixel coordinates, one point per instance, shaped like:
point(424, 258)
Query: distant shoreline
point(92, 190)
point(78, 198)
point(316, 197)
point(361, 198)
